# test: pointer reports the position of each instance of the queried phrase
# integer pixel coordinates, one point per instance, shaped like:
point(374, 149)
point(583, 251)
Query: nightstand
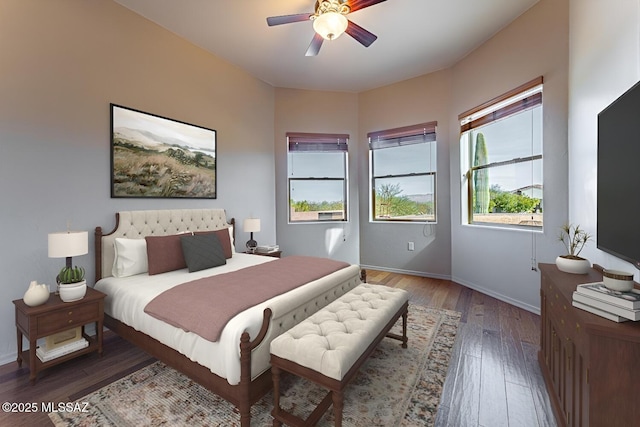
point(275, 254)
point(56, 316)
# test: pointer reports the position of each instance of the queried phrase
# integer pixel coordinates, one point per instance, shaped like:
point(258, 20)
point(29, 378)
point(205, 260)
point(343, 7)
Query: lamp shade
point(68, 244)
point(330, 25)
point(251, 225)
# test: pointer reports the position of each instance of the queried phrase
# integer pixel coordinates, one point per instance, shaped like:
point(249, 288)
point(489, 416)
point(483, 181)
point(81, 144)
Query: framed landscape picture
point(156, 157)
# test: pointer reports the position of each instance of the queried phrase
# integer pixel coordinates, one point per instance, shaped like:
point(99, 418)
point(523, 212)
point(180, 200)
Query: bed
point(236, 367)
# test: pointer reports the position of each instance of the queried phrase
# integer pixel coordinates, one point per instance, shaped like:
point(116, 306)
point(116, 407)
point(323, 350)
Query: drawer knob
point(70, 321)
point(70, 313)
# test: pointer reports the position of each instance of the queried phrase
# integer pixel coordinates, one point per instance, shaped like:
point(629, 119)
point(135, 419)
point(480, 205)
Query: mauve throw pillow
point(164, 253)
point(202, 251)
point(223, 237)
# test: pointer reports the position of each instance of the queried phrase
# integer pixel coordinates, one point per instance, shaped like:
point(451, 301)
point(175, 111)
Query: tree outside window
point(403, 173)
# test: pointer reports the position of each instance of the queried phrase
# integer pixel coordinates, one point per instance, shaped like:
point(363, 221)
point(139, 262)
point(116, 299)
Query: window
point(501, 159)
point(317, 175)
point(403, 173)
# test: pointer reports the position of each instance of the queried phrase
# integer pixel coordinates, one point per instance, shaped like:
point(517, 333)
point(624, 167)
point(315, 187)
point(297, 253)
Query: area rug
point(394, 387)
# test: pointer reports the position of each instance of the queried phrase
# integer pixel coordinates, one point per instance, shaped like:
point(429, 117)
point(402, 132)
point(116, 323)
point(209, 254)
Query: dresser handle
point(70, 313)
point(70, 321)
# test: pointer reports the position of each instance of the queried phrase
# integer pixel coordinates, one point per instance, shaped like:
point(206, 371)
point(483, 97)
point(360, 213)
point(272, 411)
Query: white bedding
point(127, 297)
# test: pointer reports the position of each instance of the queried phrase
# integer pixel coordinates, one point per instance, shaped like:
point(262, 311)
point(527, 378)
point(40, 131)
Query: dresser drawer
point(68, 318)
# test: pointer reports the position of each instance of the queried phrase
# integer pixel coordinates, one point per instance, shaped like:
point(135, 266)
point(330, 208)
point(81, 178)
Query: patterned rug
point(394, 387)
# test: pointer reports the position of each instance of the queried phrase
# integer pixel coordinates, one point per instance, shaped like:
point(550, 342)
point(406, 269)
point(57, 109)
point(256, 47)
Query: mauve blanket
point(204, 306)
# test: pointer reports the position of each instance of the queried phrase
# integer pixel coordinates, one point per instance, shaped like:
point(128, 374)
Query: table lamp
point(251, 225)
point(67, 244)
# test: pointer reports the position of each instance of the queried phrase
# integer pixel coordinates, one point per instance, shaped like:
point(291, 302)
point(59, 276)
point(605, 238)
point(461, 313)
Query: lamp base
point(251, 246)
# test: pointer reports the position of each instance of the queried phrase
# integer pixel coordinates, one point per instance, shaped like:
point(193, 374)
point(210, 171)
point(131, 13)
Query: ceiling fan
point(330, 21)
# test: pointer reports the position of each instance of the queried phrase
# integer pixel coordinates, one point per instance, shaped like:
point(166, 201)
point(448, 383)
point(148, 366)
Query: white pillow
point(233, 244)
point(130, 257)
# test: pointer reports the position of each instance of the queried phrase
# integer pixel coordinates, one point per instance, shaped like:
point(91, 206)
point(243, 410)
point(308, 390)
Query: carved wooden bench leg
point(338, 405)
point(275, 371)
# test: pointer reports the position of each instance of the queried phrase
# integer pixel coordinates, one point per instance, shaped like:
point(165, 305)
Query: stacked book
point(46, 355)
point(613, 305)
point(267, 249)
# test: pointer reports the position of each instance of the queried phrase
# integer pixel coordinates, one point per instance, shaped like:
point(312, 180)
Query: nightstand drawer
point(68, 318)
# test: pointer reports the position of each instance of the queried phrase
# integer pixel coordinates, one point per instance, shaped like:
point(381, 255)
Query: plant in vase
point(71, 284)
point(574, 239)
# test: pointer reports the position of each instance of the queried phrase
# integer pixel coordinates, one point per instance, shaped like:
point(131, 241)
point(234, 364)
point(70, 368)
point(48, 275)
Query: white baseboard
point(475, 287)
point(11, 357)
point(497, 295)
point(409, 272)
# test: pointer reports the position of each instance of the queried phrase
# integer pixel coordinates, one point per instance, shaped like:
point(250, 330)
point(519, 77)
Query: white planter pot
point(574, 266)
point(72, 291)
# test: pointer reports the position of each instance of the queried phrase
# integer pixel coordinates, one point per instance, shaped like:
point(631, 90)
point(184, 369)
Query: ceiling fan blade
point(315, 45)
point(361, 4)
point(287, 19)
point(360, 34)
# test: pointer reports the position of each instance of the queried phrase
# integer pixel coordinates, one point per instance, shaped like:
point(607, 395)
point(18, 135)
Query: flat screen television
point(618, 199)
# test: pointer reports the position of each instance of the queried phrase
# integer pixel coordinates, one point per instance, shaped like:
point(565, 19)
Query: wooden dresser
point(591, 365)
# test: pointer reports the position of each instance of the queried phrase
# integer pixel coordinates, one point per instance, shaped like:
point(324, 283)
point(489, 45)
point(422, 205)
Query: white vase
point(574, 266)
point(72, 291)
point(37, 294)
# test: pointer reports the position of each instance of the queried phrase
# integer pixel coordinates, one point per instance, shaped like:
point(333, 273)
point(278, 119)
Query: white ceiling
point(415, 37)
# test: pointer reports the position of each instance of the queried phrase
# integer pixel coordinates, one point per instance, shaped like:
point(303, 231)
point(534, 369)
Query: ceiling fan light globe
point(330, 25)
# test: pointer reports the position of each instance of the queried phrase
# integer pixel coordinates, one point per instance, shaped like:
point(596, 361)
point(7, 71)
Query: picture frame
point(157, 157)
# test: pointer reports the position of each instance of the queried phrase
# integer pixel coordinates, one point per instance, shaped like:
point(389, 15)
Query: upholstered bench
point(329, 347)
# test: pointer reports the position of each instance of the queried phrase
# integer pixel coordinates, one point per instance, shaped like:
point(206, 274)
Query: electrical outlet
point(411, 246)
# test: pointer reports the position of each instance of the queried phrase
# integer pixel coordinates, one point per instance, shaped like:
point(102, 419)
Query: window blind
point(318, 142)
point(407, 135)
point(522, 98)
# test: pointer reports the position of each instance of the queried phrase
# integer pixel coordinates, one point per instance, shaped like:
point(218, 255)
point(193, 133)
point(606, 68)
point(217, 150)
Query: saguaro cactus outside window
point(481, 177)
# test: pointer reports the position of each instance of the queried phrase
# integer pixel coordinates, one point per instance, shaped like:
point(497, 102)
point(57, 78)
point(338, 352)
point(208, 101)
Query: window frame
point(523, 98)
point(318, 143)
point(397, 137)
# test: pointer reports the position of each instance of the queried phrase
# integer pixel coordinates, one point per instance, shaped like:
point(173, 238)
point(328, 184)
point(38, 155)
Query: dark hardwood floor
point(494, 378)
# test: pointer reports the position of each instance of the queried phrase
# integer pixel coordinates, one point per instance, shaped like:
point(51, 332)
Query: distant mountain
point(138, 137)
point(150, 140)
point(421, 198)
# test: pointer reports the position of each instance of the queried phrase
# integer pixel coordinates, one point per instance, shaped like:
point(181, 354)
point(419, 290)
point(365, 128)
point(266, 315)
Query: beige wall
point(604, 64)
point(324, 112)
point(502, 262)
point(62, 63)
point(385, 245)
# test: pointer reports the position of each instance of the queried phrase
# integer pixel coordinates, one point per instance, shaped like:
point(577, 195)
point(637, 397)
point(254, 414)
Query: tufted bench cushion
point(331, 340)
point(329, 346)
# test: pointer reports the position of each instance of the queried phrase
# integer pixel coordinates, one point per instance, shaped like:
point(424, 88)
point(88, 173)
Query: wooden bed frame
point(242, 395)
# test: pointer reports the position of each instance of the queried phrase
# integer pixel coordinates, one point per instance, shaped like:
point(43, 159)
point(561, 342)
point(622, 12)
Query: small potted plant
point(71, 284)
point(574, 239)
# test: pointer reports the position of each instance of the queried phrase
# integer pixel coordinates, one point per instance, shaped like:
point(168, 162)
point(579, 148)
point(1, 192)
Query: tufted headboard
point(139, 224)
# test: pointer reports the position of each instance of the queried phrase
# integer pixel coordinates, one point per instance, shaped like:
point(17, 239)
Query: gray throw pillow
point(202, 251)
